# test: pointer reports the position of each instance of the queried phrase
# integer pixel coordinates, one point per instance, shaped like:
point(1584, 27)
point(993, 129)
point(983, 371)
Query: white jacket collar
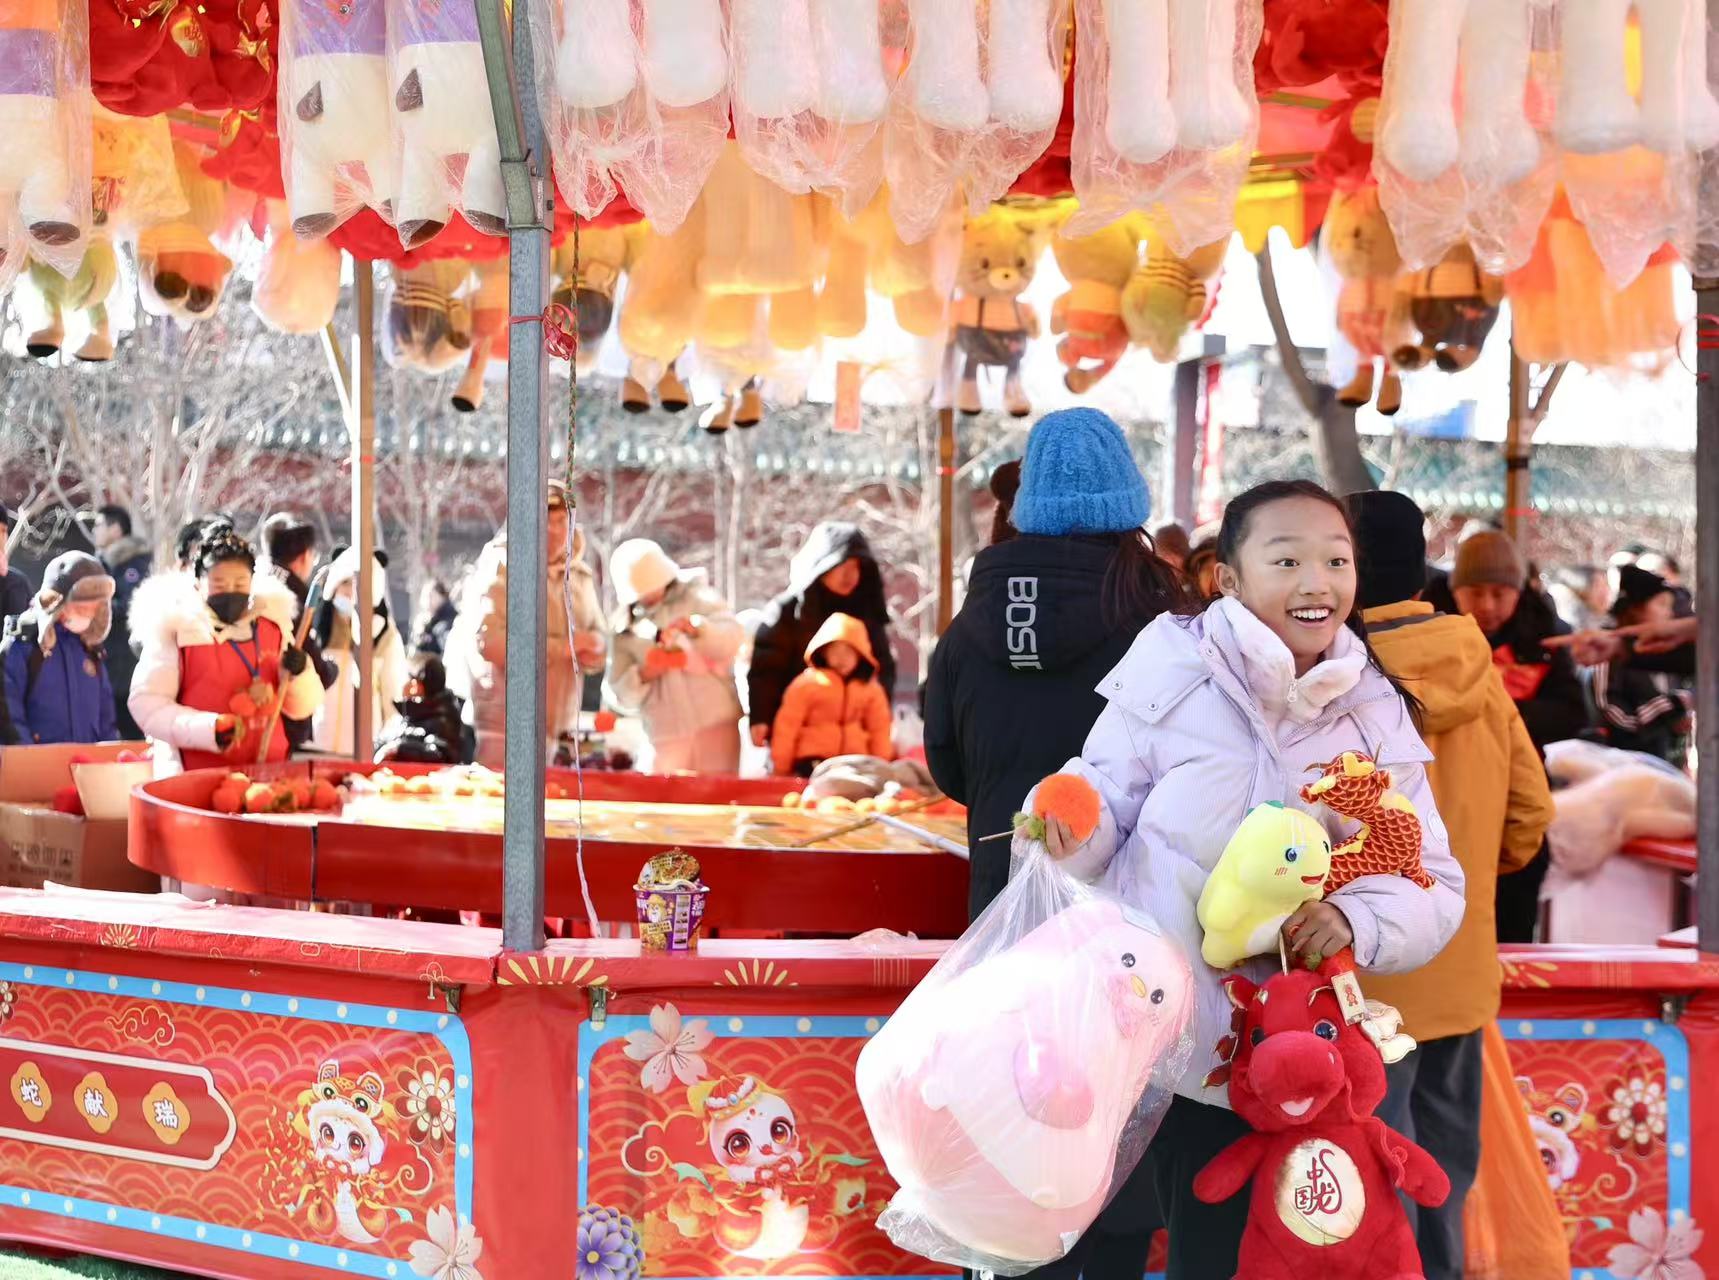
point(1269, 668)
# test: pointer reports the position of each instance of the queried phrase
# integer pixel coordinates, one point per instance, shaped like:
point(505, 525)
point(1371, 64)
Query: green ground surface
point(22, 1266)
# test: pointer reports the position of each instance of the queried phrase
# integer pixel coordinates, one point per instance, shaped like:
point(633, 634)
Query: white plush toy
point(596, 63)
point(774, 74)
point(443, 112)
point(1677, 111)
point(1024, 81)
point(849, 50)
point(334, 111)
point(40, 126)
point(1486, 42)
point(946, 88)
point(686, 56)
point(1172, 78)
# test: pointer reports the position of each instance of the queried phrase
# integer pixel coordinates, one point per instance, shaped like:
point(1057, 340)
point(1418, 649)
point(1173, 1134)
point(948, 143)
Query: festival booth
point(259, 1092)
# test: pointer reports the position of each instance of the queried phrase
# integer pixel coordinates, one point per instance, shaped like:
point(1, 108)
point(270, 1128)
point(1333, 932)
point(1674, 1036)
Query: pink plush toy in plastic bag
point(1018, 1085)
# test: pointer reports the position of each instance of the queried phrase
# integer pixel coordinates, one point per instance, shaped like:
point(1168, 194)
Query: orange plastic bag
point(1510, 1219)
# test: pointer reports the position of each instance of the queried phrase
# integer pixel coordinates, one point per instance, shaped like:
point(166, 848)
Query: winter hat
point(1390, 538)
point(1636, 586)
point(639, 568)
point(75, 575)
point(1489, 558)
point(1079, 476)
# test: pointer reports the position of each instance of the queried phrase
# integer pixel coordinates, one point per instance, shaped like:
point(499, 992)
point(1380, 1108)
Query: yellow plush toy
point(1089, 316)
point(1168, 294)
point(87, 291)
point(1372, 312)
point(1277, 860)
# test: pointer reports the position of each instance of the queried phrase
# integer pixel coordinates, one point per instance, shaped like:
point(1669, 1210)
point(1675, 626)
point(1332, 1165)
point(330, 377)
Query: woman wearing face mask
point(1205, 719)
point(214, 661)
point(56, 687)
point(337, 633)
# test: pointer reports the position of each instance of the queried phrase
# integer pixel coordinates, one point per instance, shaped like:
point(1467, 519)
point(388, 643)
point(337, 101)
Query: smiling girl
point(1206, 718)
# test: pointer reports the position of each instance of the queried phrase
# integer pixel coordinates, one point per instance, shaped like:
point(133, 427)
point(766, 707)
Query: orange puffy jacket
point(823, 715)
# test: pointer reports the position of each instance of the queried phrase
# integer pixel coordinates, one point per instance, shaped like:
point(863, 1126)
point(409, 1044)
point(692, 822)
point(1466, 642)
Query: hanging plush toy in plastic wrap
point(44, 135)
point(978, 103)
point(488, 332)
point(1372, 308)
point(1165, 113)
point(1463, 149)
point(182, 267)
point(429, 325)
point(810, 89)
point(298, 281)
point(49, 297)
point(658, 313)
point(337, 152)
point(1017, 1086)
point(444, 129)
point(587, 270)
point(133, 181)
point(640, 107)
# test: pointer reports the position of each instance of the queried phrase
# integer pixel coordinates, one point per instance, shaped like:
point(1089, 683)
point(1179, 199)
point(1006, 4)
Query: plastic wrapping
point(44, 135)
point(1016, 1087)
point(1564, 307)
point(298, 281)
point(134, 183)
point(181, 270)
point(916, 278)
point(1613, 797)
point(429, 325)
point(810, 90)
point(334, 112)
point(587, 276)
point(662, 302)
point(1465, 154)
point(979, 102)
point(633, 101)
point(757, 237)
point(51, 298)
point(1165, 113)
point(444, 129)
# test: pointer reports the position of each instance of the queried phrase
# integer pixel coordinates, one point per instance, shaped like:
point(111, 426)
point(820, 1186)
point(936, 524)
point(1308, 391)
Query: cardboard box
point(33, 774)
point(37, 844)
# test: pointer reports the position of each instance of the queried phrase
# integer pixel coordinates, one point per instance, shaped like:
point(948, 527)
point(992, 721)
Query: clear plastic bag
point(1017, 1086)
point(1465, 152)
point(633, 101)
point(1611, 798)
point(182, 268)
point(444, 129)
point(1165, 113)
point(662, 300)
point(979, 102)
point(334, 108)
point(298, 281)
point(429, 325)
point(45, 118)
point(134, 183)
point(810, 90)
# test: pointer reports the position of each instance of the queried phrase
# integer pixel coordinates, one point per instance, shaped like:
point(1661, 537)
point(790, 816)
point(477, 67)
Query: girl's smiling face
point(1295, 572)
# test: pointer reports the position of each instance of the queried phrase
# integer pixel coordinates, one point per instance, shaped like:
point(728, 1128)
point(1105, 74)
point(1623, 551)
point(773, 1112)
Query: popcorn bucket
point(669, 918)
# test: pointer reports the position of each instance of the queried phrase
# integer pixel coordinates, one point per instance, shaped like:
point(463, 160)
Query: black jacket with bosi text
point(1012, 692)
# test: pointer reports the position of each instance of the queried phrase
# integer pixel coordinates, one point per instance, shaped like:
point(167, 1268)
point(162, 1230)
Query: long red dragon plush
point(1325, 1169)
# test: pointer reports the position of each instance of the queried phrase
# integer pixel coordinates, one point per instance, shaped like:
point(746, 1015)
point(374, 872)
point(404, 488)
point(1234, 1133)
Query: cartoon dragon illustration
point(1353, 786)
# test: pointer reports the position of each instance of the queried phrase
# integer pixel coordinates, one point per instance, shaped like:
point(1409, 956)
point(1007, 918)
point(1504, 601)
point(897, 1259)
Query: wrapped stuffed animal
point(429, 326)
point(1453, 306)
point(999, 255)
point(1325, 1170)
point(1371, 313)
point(334, 103)
point(1089, 316)
point(999, 1096)
point(87, 291)
point(488, 330)
point(1596, 111)
point(44, 132)
point(586, 280)
point(133, 181)
point(659, 312)
point(181, 271)
point(1171, 77)
point(298, 282)
point(448, 153)
point(1276, 861)
point(1169, 294)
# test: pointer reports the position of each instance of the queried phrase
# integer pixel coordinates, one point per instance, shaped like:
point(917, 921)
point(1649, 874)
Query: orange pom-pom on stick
point(1067, 796)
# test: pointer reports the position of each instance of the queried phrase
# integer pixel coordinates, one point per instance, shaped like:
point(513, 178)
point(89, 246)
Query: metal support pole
point(945, 518)
point(1707, 612)
point(525, 172)
point(1179, 457)
point(1518, 448)
point(363, 373)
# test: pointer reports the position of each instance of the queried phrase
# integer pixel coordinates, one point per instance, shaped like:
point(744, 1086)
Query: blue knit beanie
point(1079, 477)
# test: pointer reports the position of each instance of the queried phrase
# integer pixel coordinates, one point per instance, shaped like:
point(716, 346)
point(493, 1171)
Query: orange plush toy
point(1389, 841)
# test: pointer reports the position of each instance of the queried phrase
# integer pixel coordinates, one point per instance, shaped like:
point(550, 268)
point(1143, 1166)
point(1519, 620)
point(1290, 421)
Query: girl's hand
point(1059, 839)
point(1317, 932)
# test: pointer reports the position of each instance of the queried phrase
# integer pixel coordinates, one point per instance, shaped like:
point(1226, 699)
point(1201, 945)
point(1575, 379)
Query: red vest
point(212, 676)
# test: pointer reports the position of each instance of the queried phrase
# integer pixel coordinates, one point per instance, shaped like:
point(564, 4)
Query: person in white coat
point(1210, 716)
point(336, 725)
point(675, 644)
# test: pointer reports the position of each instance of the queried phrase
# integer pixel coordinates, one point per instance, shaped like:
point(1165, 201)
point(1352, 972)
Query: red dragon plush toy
point(1325, 1170)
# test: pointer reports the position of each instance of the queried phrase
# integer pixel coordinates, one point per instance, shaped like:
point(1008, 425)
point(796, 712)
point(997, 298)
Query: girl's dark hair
point(1005, 484)
point(221, 547)
point(1238, 515)
point(1139, 584)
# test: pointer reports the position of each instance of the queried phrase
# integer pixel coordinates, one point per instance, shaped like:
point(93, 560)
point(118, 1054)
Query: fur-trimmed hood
point(168, 610)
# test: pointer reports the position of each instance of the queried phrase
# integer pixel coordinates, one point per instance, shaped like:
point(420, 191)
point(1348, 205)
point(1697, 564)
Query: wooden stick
point(866, 821)
point(312, 602)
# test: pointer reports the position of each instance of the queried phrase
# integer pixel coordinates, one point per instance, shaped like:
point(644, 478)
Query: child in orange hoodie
point(836, 706)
